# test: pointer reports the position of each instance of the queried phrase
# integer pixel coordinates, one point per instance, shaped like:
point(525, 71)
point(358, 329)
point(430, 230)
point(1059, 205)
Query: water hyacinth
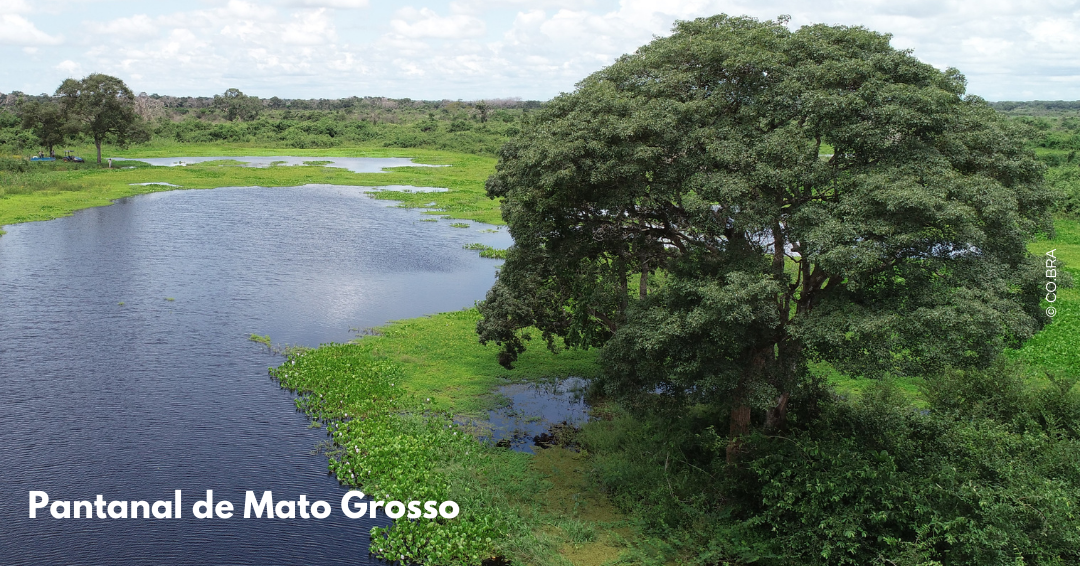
point(401, 451)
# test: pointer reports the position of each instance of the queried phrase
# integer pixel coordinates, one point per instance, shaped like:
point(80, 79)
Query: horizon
point(509, 101)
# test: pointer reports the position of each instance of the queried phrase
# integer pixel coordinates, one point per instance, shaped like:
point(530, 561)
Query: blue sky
point(474, 49)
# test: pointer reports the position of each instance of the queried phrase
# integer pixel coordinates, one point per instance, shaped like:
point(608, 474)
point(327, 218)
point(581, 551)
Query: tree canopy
point(735, 200)
point(101, 106)
point(46, 121)
point(237, 106)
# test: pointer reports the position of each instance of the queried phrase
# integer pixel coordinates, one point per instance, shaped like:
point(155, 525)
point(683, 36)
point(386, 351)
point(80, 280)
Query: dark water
point(136, 400)
point(534, 408)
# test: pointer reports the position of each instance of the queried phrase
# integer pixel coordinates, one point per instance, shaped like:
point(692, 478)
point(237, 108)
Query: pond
point(533, 412)
point(128, 371)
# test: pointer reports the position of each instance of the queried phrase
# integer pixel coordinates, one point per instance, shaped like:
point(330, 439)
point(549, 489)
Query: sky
point(484, 49)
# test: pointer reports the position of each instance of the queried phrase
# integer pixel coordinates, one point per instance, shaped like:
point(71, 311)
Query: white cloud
point(415, 23)
point(139, 26)
point(489, 48)
point(14, 7)
point(17, 30)
point(70, 67)
point(337, 4)
point(244, 10)
point(312, 28)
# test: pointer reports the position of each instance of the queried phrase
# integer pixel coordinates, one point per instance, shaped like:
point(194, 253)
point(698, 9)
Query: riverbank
point(43, 191)
point(396, 404)
point(420, 376)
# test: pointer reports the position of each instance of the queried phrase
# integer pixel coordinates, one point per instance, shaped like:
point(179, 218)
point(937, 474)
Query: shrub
point(14, 165)
point(988, 474)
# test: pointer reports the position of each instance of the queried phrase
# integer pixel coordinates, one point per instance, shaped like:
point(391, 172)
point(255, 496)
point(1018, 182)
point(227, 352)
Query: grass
point(1054, 349)
point(54, 191)
point(542, 509)
point(411, 379)
point(442, 360)
point(487, 251)
point(390, 401)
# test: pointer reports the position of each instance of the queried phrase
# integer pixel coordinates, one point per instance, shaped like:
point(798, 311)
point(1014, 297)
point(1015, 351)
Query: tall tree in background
point(46, 121)
point(237, 106)
point(102, 107)
point(681, 208)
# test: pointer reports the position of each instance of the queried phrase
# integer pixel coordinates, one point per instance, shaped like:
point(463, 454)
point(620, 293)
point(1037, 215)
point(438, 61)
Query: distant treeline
point(479, 126)
point(1054, 134)
point(1037, 107)
point(468, 126)
point(157, 105)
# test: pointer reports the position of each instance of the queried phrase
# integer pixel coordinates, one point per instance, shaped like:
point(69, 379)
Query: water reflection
point(127, 369)
point(532, 410)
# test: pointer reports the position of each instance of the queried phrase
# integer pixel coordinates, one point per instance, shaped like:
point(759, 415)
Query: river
point(127, 368)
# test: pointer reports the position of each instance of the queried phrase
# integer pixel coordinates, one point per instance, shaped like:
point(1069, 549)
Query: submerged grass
point(487, 251)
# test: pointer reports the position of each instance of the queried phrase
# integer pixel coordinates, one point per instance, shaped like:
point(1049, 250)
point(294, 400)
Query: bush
point(1066, 180)
point(988, 474)
point(14, 165)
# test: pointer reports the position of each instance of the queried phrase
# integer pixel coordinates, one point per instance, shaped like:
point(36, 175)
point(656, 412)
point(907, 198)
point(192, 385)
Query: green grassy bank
point(394, 403)
point(42, 191)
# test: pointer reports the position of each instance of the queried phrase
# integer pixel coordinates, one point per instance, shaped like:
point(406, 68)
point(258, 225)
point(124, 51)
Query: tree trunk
point(777, 416)
point(98, 144)
point(740, 426)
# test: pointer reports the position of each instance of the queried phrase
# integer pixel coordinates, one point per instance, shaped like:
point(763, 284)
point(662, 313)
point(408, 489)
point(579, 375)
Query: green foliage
point(14, 165)
point(1066, 180)
point(988, 474)
point(102, 107)
point(237, 106)
point(394, 448)
point(47, 122)
point(487, 251)
point(699, 158)
point(264, 340)
point(388, 402)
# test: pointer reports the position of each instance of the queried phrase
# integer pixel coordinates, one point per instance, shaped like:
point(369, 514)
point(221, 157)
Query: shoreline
point(390, 400)
point(68, 190)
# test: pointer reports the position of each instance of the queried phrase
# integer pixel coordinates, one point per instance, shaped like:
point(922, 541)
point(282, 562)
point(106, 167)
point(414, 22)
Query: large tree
point(730, 202)
point(46, 120)
point(102, 107)
point(237, 106)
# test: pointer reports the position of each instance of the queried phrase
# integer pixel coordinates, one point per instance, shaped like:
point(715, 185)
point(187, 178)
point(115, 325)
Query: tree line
point(234, 117)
